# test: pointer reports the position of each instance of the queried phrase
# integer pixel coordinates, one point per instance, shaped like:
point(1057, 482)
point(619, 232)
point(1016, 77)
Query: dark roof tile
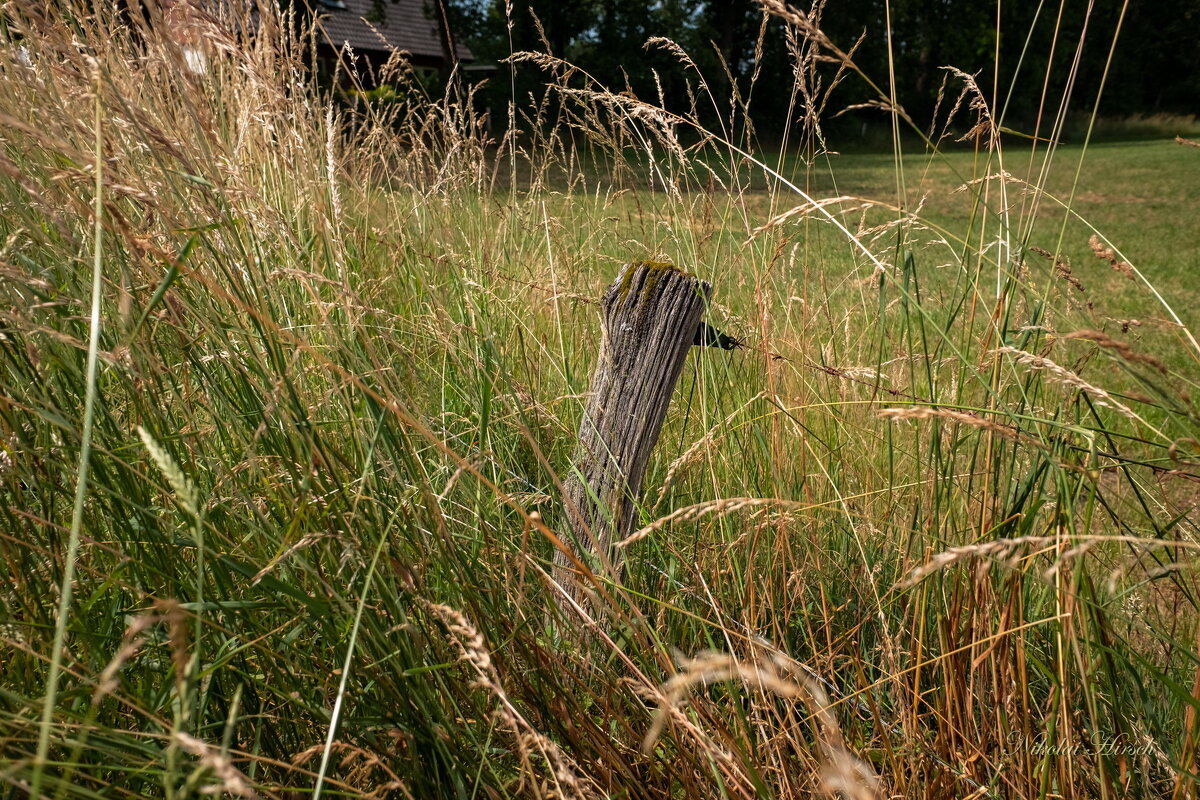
point(405, 25)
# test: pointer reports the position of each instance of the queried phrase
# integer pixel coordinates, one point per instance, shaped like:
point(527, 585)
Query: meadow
point(288, 388)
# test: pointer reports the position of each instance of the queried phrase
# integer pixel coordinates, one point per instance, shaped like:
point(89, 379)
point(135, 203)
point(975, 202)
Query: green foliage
point(380, 96)
point(1007, 46)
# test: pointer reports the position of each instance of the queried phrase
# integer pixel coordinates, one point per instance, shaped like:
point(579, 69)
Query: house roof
point(382, 26)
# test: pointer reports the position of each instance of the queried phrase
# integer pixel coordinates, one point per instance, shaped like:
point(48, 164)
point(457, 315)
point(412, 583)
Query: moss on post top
point(657, 266)
point(657, 271)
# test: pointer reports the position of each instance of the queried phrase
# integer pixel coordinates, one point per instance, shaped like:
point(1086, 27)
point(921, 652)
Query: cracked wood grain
point(650, 317)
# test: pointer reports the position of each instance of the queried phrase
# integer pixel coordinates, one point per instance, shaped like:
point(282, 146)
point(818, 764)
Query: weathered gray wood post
point(651, 315)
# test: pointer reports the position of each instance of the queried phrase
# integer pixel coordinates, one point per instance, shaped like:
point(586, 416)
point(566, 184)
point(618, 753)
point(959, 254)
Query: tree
point(1153, 68)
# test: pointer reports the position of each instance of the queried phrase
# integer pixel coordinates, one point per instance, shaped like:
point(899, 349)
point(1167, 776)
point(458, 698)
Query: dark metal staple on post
point(651, 316)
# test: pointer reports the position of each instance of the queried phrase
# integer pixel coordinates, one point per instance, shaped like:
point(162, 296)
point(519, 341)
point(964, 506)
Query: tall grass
point(931, 534)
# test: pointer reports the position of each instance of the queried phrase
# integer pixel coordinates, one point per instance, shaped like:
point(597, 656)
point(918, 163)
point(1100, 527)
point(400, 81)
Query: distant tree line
point(1154, 67)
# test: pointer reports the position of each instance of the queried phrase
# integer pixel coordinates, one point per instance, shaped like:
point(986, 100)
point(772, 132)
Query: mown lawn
point(1144, 196)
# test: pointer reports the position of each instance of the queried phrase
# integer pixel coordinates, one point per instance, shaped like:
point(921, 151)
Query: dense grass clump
point(287, 385)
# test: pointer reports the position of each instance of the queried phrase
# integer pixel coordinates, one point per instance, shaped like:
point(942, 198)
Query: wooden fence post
point(651, 316)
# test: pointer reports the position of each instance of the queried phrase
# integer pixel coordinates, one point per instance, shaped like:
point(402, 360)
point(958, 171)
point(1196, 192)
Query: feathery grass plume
point(181, 485)
point(1010, 552)
point(131, 643)
point(1122, 349)
point(305, 541)
point(363, 767)
point(1002, 175)
point(843, 773)
point(984, 129)
point(570, 780)
point(718, 508)
point(807, 25)
point(230, 778)
point(1102, 251)
point(1066, 377)
point(805, 209)
point(1062, 268)
point(998, 550)
point(964, 418)
point(700, 446)
point(172, 613)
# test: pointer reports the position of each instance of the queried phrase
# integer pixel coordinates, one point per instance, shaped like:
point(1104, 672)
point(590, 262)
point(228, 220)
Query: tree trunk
point(651, 316)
